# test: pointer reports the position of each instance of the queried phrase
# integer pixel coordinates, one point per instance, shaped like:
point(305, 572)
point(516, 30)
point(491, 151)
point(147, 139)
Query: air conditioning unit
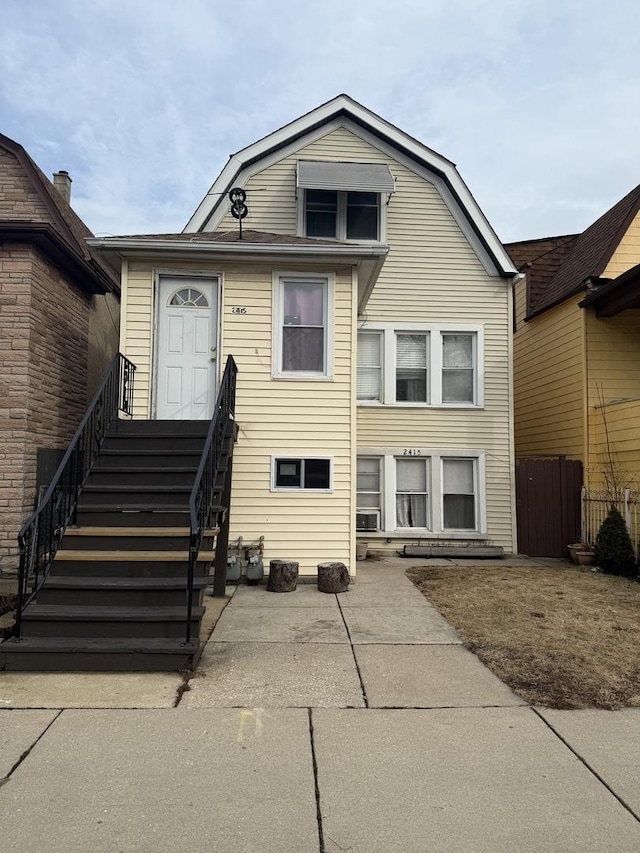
point(367, 520)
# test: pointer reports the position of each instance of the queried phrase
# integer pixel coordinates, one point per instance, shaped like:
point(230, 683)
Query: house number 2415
point(411, 452)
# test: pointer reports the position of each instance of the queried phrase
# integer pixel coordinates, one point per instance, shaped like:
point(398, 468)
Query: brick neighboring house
point(59, 318)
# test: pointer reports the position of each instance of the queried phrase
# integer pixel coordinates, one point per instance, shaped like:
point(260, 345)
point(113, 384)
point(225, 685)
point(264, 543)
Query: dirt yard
point(558, 635)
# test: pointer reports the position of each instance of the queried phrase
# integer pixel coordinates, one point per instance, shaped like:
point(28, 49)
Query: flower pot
point(585, 558)
point(573, 551)
point(361, 550)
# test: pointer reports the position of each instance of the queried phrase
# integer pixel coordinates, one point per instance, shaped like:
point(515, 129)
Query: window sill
point(300, 491)
point(303, 377)
point(421, 533)
point(376, 404)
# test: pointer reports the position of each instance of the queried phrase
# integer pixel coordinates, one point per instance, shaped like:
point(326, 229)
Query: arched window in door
point(189, 297)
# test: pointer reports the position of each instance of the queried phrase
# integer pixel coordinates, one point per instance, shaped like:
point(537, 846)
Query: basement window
point(311, 473)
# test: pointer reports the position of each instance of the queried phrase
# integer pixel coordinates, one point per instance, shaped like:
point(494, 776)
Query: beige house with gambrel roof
point(368, 307)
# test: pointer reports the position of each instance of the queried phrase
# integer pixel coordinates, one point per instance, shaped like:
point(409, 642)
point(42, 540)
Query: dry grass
point(559, 636)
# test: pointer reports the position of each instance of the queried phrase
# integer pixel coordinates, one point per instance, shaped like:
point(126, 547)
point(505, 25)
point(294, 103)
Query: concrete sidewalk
point(314, 723)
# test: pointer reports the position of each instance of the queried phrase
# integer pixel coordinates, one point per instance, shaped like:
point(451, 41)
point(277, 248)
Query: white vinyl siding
point(299, 418)
point(434, 276)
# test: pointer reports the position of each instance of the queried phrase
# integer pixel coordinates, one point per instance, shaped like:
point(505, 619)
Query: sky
point(537, 102)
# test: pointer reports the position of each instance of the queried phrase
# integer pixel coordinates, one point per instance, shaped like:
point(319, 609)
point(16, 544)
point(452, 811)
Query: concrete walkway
point(314, 723)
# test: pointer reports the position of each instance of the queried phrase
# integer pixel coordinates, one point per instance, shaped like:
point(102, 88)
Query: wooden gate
point(548, 505)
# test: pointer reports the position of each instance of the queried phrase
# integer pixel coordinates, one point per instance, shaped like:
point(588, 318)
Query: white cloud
point(143, 102)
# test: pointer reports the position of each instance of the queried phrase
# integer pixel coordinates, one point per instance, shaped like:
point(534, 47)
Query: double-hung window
point(302, 344)
point(457, 368)
point(412, 372)
point(412, 493)
point(459, 494)
point(369, 366)
point(421, 364)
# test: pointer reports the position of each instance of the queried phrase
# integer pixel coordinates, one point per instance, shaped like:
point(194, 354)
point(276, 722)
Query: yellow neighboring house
point(577, 347)
point(368, 305)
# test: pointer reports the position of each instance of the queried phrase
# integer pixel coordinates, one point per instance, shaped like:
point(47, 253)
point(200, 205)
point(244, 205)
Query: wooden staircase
point(115, 597)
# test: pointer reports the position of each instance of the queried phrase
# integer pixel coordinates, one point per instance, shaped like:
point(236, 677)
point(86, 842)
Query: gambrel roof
point(442, 172)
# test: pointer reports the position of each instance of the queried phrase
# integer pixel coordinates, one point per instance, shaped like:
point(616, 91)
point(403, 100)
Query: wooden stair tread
point(184, 508)
point(136, 469)
point(108, 613)
point(144, 583)
point(133, 645)
point(136, 531)
point(131, 556)
point(143, 488)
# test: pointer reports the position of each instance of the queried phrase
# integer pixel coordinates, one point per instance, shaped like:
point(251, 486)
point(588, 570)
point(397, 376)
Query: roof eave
point(45, 237)
point(220, 250)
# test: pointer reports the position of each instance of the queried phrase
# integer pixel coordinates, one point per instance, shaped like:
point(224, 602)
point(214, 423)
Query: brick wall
point(45, 321)
point(49, 333)
point(15, 308)
point(19, 199)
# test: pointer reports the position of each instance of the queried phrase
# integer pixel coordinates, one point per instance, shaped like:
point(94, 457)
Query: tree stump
point(333, 577)
point(283, 576)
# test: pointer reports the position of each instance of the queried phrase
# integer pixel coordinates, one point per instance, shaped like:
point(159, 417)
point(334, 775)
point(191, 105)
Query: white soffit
point(356, 177)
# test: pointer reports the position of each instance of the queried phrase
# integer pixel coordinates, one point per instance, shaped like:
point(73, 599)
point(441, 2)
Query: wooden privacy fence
point(548, 505)
point(595, 506)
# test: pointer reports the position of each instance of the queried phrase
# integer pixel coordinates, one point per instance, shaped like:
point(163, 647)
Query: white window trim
point(435, 331)
point(388, 456)
point(300, 490)
point(342, 218)
point(279, 278)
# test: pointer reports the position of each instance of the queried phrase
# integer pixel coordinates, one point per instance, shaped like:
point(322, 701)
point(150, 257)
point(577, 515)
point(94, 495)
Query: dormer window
point(342, 215)
point(343, 201)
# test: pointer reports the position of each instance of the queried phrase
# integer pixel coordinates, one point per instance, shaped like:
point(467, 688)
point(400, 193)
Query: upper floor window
point(302, 330)
point(342, 215)
point(420, 364)
point(343, 200)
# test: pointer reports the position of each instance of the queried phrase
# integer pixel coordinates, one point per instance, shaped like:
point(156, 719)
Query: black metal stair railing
point(203, 492)
point(42, 533)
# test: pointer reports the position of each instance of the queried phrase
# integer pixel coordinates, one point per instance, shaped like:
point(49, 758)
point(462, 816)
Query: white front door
point(186, 369)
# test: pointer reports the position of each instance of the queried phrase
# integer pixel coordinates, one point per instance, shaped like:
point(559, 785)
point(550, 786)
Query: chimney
point(62, 182)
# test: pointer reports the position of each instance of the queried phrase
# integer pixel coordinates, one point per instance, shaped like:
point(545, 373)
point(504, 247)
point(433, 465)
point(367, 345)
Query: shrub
point(614, 550)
